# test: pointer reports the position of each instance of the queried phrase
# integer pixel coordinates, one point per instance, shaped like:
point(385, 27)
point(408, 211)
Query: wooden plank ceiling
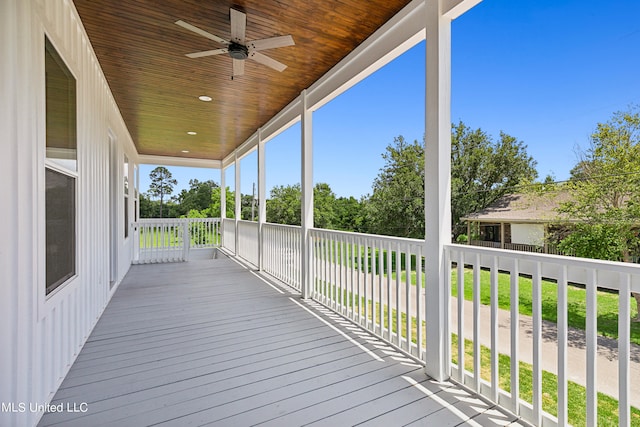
point(142, 53)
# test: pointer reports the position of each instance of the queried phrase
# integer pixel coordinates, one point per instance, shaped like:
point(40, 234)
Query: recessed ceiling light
point(185, 151)
point(205, 98)
point(192, 132)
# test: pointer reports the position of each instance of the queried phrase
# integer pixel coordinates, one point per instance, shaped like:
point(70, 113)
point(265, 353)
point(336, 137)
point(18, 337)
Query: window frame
point(52, 164)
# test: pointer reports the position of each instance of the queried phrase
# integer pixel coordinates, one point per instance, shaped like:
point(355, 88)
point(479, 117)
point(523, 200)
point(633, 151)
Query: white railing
point(229, 234)
point(248, 241)
point(170, 239)
point(204, 232)
point(281, 251)
point(375, 281)
point(161, 240)
point(378, 282)
point(592, 274)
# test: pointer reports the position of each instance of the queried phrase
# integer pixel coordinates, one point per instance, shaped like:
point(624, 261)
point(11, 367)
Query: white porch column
point(437, 186)
point(238, 208)
point(307, 193)
point(262, 197)
point(223, 194)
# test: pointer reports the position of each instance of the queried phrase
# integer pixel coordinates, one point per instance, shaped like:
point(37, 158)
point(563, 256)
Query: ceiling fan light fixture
point(238, 51)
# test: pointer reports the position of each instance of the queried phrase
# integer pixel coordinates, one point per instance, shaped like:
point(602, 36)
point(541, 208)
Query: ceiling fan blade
point(271, 43)
point(207, 53)
point(238, 67)
point(197, 30)
point(269, 62)
point(238, 26)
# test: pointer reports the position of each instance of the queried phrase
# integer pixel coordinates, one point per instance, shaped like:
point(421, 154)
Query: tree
point(285, 204)
point(323, 202)
point(197, 197)
point(483, 171)
point(605, 185)
point(214, 208)
point(248, 208)
point(147, 207)
point(396, 206)
point(161, 184)
point(349, 214)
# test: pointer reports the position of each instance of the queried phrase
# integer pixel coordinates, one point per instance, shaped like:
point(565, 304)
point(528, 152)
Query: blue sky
point(543, 71)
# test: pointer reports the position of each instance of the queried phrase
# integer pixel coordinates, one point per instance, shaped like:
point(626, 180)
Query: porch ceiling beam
point(454, 8)
point(146, 159)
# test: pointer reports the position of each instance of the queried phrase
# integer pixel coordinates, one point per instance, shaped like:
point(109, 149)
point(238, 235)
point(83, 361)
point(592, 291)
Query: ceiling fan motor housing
point(238, 51)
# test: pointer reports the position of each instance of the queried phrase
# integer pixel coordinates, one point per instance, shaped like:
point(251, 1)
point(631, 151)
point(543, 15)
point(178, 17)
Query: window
point(126, 196)
point(60, 170)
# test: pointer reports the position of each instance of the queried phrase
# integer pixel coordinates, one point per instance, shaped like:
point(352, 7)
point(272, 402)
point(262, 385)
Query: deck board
point(209, 343)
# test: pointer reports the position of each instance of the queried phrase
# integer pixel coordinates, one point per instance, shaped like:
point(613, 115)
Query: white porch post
point(437, 186)
point(223, 205)
point(238, 209)
point(262, 207)
point(223, 195)
point(307, 194)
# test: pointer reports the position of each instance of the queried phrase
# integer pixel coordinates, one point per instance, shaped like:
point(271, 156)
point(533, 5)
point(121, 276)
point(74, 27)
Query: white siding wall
point(40, 336)
point(527, 234)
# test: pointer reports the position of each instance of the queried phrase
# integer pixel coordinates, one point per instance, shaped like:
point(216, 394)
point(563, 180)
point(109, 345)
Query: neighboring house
point(518, 221)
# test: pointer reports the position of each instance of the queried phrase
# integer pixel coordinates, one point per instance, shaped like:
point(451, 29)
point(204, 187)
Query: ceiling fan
point(238, 47)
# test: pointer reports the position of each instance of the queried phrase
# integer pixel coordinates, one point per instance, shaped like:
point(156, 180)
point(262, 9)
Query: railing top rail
point(247, 221)
point(271, 224)
point(389, 239)
point(608, 271)
point(144, 221)
point(550, 258)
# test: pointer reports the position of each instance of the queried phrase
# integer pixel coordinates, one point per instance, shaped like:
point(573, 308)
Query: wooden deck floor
point(210, 343)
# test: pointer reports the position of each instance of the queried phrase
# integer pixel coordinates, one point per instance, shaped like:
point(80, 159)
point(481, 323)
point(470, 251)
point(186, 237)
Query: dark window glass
point(61, 228)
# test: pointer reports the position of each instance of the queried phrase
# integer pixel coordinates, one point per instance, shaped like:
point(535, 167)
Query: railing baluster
point(419, 316)
point(407, 294)
point(562, 327)
point(537, 343)
point(624, 347)
point(372, 279)
point(515, 336)
point(476, 322)
point(389, 312)
point(398, 282)
point(365, 280)
point(592, 348)
point(358, 279)
point(494, 329)
point(461, 334)
point(380, 284)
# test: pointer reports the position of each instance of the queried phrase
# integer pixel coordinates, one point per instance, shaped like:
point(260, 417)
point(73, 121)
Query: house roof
point(524, 207)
